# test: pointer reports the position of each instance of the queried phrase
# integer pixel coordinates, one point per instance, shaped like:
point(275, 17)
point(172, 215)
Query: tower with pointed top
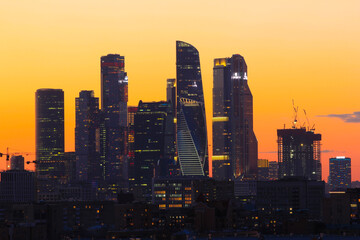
point(191, 120)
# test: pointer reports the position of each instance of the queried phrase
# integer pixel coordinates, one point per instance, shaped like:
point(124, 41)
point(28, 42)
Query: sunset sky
point(308, 51)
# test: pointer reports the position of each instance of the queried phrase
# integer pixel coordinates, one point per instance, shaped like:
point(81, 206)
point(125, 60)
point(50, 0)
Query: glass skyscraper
point(87, 137)
point(234, 141)
point(340, 173)
point(153, 146)
point(50, 133)
point(191, 121)
point(114, 98)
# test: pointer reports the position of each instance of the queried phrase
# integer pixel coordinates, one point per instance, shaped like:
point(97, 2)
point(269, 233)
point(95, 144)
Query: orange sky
point(302, 50)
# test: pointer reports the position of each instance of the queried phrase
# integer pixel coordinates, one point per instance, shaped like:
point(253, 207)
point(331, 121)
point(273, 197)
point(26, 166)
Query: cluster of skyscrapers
point(119, 148)
point(145, 170)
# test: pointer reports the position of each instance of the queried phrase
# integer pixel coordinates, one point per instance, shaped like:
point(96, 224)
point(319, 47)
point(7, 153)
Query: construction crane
point(312, 129)
point(7, 158)
point(295, 114)
point(7, 154)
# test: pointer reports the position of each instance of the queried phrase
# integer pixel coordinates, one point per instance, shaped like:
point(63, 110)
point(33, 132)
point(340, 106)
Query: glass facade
point(191, 122)
point(87, 137)
point(234, 141)
point(114, 98)
point(340, 173)
point(50, 133)
point(153, 146)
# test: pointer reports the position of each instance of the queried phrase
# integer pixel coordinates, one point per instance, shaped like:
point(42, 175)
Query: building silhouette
point(234, 141)
point(87, 137)
point(340, 173)
point(49, 133)
point(153, 146)
point(191, 137)
point(114, 98)
point(289, 196)
point(299, 153)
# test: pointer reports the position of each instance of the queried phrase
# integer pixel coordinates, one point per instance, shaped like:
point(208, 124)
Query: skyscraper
point(130, 147)
point(299, 153)
point(114, 98)
point(191, 121)
point(153, 146)
point(87, 137)
point(234, 141)
point(171, 91)
point(340, 173)
point(50, 133)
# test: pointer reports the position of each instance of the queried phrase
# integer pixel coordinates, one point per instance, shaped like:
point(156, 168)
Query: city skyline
point(300, 67)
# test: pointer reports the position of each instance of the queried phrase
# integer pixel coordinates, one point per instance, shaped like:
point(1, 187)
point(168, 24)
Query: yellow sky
point(302, 50)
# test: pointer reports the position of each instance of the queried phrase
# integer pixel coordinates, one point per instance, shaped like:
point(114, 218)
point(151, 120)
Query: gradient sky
point(303, 50)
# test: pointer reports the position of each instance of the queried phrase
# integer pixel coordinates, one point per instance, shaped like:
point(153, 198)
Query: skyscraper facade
point(340, 173)
point(87, 137)
point(191, 136)
point(299, 153)
point(234, 140)
point(130, 146)
point(114, 98)
point(273, 170)
point(153, 146)
point(49, 133)
point(171, 91)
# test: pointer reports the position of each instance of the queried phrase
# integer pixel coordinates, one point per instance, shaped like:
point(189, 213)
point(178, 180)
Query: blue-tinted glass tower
point(340, 173)
point(191, 120)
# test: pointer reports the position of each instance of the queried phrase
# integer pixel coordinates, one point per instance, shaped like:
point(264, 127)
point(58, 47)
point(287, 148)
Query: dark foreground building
point(17, 186)
point(289, 196)
point(234, 141)
point(182, 192)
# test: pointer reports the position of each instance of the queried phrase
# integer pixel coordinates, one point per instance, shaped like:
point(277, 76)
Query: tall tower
point(235, 150)
point(87, 137)
point(153, 145)
point(191, 121)
point(114, 98)
point(50, 133)
point(299, 153)
point(340, 173)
